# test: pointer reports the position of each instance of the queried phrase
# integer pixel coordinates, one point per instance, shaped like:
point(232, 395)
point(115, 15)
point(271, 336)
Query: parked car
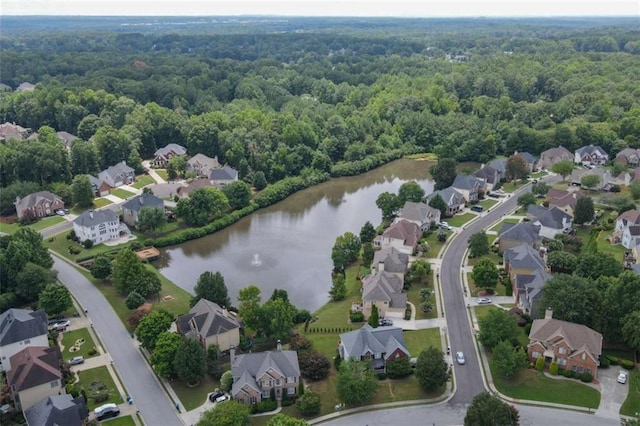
point(60, 212)
point(460, 358)
point(477, 208)
point(62, 325)
point(222, 398)
point(444, 225)
point(385, 322)
point(106, 411)
point(76, 360)
point(484, 301)
point(215, 395)
point(622, 377)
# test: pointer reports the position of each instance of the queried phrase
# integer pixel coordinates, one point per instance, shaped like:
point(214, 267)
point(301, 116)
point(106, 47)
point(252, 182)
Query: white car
point(622, 377)
point(460, 358)
point(484, 301)
point(222, 398)
point(60, 212)
point(444, 225)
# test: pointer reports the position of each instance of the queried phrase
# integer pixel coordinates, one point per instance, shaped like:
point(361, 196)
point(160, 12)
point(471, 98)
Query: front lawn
point(512, 186)
point(488, 203)
point(419, 340)
point(193, 397)
point(533, 385)
point(538, 175)
point(61, 245)
point(498, 226)
point(460, 219)
point(82, 341)
point(413, 296)
point(9, 229)
point(434, 244)
point(121, 193)
point(142, 181)
point(101, 202)
point(163, 173)
point(46, 222)
point(120, 421)
point(631, 405)
point(99, 376)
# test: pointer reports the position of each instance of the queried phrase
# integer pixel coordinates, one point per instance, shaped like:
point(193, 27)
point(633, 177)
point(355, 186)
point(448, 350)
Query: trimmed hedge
point(553, 368)
point(625, 363)
point(540, 363)
point(370, 162)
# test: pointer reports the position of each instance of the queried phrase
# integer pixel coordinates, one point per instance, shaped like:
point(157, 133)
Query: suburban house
point(628, 177)
point(522, 260)
point(626, 230)
point(629, 156)
point(591, 155)
point(117, 175)
point(25, 87)
point(131, 209)
point(184, 191)
point(223, 175)
point(20, 328)
point(454, 200)
point(162, 156)
point(552, 220)
point(210, 325)
point(10, 131)
point(515, 234)
point(390, 260)
point(551, 156)
point(378, 345)
point(57, 410)
point(628, 218)
point(202, 165)
point(572, 346)
point(631, 236)
point(255, 374)
point(38, 204)
point(528, 290)
point(66, 138)
point(419, 213)
point(603, 184)
point(469, 186)
point(500, 165)
point(98, 226)
point(564, 200)
point(384, 289)
point(35, 374)
point(403, 235)
point(99, 187)
point(489, 175)
point(531, 160)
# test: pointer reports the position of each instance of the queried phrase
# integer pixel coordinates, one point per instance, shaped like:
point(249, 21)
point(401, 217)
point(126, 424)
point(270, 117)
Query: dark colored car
point(215, 395)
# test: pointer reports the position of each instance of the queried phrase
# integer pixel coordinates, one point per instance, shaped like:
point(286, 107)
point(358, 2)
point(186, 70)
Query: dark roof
point(417, 212)
point(500, 164)
point(172, 147)
point(487, 173)
point(393, 260)
point(95, 217)
point(449, 195)
point(529, 158)
point(551, 217)
point(144, 200)
point(374, 340)
point(210, 319)
point(524, 232)
point(591, 149)
point(467, 182)
point(523, 257)
point(17, 325)
point(384, 286)
point(57, 410)
point(31, 200)
point(225, 173)
point(34, 366)
point(247, 368)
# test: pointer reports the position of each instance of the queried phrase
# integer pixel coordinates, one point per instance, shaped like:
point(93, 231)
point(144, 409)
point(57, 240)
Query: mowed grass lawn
point(419, 340)
point(193, 397)
point(99, 374)
point(460, 219)
point(120, 421)
point(142, 181)
point(60, 245)
point(434, 244)
point(46, 222)
point(413, 296)
point(163, 173)
point(631, 405)
point(121, 193)
point(70, 337)
point(488, 203)
point(101, 202)
point(498, 226)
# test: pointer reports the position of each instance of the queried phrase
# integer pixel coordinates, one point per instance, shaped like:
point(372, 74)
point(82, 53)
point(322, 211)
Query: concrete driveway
point(612, 393)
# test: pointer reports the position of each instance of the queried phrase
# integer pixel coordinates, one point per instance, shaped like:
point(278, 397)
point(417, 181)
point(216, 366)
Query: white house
point(97, 225)
point(19, 329)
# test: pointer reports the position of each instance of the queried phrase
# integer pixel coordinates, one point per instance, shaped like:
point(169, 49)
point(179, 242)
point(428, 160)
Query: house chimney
point(548, 314)
point(380, 266)
point(232, 354)
point(91, 214)
point(279, 346)
point(225, 312)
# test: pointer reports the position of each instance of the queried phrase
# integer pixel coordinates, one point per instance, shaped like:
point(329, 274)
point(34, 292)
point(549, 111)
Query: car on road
point(460, 358)
point(484, 301)
point(622, 377)
point(444, 225)
point(215, 395)
point(76, 360)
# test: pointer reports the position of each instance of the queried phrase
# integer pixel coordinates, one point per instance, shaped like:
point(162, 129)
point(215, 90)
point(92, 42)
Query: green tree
point(249, 308)
point(389, 204)
point(84, 158)
point(478, 245)
point(438, 203)
point(356, 383)
point(516, 168)
point(596, 265)
point(367, 254)
point(621, 298)
point(309, 403)
point(277, 318)
point(345, 250)
point(211, 286)
point(374, 317)
point(432, 370)
point(259, 181)
point(634, 189)
point(338, 289)
point(488, 410)
point(314, 365)
point(410, 191)
point(540, 189)
point(150, 219)
point(214, 367)
point(31, 280)
point(584, 210)
point(485, 274)
point(129, 274)
point(101, 267)
point(151, 327)
point(189, 362)
point(231, 413)
point(630, 329)
point(527, 199)
point(226, 381)
point(238, 193)
point(561, 262)
point(563, 168)
point(507, 359)
point(167, 346)
point(573, 298)
point(443, 173)
point(418, 270)
point(82, 191)
point(282, 419)
point(55, 299)
point(497, 326)
point(202, 205)
point(399, 367)
point(133, 300)
point(590, 181)
point(426, 307)
point(367, 232)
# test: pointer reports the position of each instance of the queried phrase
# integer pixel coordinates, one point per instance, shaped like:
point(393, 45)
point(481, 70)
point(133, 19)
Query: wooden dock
point(148, 253)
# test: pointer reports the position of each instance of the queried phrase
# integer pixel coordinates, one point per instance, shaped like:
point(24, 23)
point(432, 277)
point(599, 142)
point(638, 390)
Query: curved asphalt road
point(468, 377)
point(139, 380)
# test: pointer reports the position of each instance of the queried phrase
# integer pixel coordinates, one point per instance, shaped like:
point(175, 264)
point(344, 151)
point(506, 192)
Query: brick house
point(574, 347)
point(378, 345)
point(553, 155)
point(38, 204)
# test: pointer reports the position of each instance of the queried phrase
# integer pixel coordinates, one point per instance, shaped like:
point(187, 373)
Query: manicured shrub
point(527, 328)
point(569, 374)
point(398, 368)
point(553, 368)
point(263, 406)
point(540, 363)
point(356, 317)
point(309, 404)
point(604, 362)
point(92, 352)
point(87, 243)
point(382, 376)
point(586, 377)
point(625, 363)
point(613, 360)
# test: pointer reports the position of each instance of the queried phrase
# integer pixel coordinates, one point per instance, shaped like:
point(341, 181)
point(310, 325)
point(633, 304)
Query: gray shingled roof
point(21, 324)
point(591, 149)
point(31, 200)
point(385, 287)
point(210, 319)
point(523, 257)
point(374, 340)
point(549, 217)
point(467, 182)
point(143, 200)
point(95, 217)
point(500, 164)
point(225, 173)
point(172, 147)
point(247, 367)
point(529, 158)
point(118, 169)
point(393, 260)
point(449, 195)
point(487, 173)
point(57, 410)
point(416, 212)
point(525, 232)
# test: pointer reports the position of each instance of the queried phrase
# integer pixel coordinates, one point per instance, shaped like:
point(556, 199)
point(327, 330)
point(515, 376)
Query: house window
point(535, 354)
point(265, 394)
point(562, 361)
point(575, 368)
point(291, 379)
point(266, 383)
point(277, 382)
point(584, 356)
point(587, 370)
point(253, 400)
point(54, 384)
point(291, 391)
point(562, 351)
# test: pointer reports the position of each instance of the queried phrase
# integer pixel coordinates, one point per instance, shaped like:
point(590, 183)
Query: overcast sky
point(403, 8)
